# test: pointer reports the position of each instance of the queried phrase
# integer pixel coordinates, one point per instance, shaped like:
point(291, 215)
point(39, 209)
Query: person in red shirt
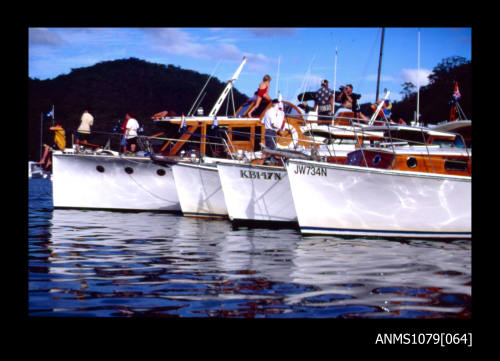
point(262, 92)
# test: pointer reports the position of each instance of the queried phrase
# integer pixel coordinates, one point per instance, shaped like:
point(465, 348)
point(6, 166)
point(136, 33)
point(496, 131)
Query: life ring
point(284, 137)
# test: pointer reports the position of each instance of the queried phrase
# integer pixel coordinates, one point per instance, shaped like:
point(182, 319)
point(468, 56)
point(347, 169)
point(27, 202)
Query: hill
point(110, 89)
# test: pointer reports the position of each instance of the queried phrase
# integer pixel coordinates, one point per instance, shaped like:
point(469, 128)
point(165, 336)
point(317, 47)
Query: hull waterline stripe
point(382, 232)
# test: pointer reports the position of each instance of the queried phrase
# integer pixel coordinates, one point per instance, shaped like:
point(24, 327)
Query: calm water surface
point(117, 264)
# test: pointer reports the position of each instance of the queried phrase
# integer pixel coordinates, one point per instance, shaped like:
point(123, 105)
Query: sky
point(297, 59)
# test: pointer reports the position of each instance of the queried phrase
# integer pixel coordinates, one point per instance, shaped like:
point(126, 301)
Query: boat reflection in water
point(160, 264)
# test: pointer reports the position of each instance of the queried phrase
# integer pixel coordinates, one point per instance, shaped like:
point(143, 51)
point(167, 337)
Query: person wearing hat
point(324, 103)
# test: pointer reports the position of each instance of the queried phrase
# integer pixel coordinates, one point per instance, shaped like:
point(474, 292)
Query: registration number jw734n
point(310, 170)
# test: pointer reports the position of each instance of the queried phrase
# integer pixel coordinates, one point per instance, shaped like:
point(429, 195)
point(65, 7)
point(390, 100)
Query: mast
point(193, 107)
point(418, 79)
point(226, 90)
point(380, 63)
point(334, 81)
point(278, 77)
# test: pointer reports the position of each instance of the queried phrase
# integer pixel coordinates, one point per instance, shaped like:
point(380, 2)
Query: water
point(117, 264)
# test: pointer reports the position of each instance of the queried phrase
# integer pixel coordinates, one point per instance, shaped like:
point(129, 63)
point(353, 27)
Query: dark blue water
point(116, 264)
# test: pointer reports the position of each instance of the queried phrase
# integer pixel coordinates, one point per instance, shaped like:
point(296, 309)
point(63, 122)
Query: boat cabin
point(440, 161)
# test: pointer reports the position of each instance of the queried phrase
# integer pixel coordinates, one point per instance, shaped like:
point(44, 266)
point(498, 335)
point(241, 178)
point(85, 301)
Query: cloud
point(43, 36)
point(178, 42)
point(269, 32)
point(384, 78)
point(416, 77)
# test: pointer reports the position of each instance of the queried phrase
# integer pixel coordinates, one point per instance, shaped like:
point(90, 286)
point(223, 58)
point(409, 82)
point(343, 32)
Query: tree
point(408, 89)
point(435, 97)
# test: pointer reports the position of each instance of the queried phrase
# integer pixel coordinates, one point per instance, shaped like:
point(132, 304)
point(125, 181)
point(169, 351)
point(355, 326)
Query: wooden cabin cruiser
point(362, 201)
point(400, 191)
point(260, 192)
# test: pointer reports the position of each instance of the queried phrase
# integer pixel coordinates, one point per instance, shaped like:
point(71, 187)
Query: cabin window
point(455, 164)
point(100, 168)
point(459, 143)
point(443, 143)
point(411, 162)
point(160, 172)
point(241, 133)
point(376, 160)
point(129, 170)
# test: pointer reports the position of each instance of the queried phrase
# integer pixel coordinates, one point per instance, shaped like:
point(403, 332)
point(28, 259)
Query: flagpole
point(278, 77)
point(41, 133)
point(334, 81)
point(418, 80)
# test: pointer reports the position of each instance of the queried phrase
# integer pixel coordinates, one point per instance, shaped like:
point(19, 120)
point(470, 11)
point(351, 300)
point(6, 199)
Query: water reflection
point(101, 263)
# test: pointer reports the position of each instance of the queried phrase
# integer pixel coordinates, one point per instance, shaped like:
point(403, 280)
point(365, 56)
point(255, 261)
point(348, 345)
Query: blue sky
point(295, 58)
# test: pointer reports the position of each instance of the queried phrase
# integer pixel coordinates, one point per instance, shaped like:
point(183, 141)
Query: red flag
point(456, 96)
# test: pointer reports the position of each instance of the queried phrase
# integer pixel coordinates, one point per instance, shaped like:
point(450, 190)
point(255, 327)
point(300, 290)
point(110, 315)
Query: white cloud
point(267, 32)
point(178, 42)
point(416, 77)
point(43, 36)
point(385, 78)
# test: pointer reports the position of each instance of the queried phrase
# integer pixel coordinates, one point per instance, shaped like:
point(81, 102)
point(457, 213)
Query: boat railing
point(363, 136)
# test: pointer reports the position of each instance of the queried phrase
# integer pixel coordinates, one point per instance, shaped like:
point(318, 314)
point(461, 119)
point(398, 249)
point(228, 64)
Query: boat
point(260, 192)
point(256, 193)
point(199, 189)
point(421, 191)
point(362, 201)
point(105, 179)
point(35, 171)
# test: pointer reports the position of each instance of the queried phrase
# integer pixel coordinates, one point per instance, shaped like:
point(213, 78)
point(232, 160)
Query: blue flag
point(50, 114)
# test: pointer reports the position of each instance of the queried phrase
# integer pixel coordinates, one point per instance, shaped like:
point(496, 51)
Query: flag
point(456, 93)
point(454, 99)
point(49, 115)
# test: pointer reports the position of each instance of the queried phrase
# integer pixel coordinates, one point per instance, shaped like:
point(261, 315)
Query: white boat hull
point(256, 193)
point(102, 182)
point(358, 201)
point(199, 190)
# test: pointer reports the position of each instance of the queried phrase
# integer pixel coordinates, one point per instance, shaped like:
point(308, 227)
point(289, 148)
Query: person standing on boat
point(131, 131)
point(59, 144)
point(83, 131)
point(262, 92)
point(273, 121)
point(324, 103)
